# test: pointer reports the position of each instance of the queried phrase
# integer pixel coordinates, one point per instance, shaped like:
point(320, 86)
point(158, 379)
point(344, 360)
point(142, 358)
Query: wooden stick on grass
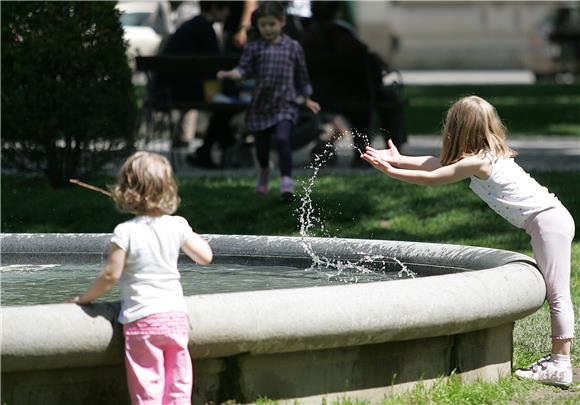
point(85, 185)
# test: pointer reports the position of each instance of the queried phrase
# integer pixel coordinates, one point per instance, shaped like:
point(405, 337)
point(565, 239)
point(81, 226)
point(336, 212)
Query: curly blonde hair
point(473, 127)
point(145, 183)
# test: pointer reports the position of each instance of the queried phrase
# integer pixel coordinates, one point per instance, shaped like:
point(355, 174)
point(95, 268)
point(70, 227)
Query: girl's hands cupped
point(390, 155)
point(378, 163)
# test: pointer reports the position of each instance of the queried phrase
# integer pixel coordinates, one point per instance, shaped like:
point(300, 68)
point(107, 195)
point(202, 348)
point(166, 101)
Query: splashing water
point(343, 270)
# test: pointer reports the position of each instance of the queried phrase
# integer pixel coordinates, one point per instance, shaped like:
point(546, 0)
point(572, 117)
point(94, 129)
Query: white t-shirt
point(150, 280)
point(512, 193)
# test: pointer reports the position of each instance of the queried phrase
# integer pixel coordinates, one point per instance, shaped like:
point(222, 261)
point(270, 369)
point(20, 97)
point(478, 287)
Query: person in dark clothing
point(295, 23)
point(195, 36)
point(237, 24)
point(332, 84)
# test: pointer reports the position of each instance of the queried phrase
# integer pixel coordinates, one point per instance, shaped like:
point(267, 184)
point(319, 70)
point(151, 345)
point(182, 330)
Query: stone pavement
point(536, 153)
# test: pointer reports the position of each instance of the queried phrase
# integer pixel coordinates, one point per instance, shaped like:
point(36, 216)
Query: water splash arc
point(344, 270)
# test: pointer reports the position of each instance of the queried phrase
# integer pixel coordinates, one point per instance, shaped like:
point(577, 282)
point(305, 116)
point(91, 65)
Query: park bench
point(157, 118)
point(192, 64)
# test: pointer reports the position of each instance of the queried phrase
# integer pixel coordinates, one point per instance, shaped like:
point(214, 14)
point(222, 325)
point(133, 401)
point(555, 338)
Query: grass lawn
point(541, 109)
point(358, 206)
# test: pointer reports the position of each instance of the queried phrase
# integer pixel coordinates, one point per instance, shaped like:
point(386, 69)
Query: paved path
point(432, 77)
point(535, 153)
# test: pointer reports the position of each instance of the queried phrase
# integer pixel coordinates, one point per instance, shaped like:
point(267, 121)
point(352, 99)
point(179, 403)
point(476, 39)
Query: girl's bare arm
point(198, 249)
point(234, 74)
point(394, 158)
point(466, 167)
point(428, 163)
point(108, 277)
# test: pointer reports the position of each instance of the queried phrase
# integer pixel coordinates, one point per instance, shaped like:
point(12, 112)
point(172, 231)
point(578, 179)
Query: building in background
point(460, 34)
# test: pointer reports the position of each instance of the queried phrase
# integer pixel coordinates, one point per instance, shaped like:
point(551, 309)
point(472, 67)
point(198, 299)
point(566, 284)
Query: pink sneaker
point(263, 179)
point(547, 372)
point(287, 188)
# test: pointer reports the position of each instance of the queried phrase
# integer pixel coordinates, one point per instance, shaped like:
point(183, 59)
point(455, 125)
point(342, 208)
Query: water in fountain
point(32, 284)
point(310, 220)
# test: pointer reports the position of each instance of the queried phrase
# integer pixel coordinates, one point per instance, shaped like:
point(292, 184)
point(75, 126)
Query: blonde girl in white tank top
point(474, 146)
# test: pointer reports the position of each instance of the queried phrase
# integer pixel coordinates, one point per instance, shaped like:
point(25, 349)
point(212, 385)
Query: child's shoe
point(263, 179)
point(546, 371)
point(287, 188)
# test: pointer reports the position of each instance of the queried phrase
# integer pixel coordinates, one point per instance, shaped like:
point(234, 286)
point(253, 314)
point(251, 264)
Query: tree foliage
point(68, 104)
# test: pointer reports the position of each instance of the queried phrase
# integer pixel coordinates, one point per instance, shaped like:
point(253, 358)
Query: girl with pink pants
point(144, 254)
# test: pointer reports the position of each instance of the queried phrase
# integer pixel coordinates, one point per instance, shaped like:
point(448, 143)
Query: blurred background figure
point(298, 18)
point(196, 36)
point(181, 11)
point(355, 76)
point(566, 35)
point(237, 24)
point(554, 44)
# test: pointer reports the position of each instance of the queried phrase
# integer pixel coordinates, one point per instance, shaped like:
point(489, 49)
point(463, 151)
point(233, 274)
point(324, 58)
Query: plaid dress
point(281, 75)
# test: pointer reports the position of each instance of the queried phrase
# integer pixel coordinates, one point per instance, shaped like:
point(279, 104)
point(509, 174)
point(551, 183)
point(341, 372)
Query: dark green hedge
point(68, 104)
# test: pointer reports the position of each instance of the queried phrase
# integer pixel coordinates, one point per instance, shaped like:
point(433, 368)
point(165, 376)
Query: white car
point(146, 24)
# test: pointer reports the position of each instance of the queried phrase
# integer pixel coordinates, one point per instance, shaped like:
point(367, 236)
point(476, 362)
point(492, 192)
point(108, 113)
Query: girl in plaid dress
point(277, 64)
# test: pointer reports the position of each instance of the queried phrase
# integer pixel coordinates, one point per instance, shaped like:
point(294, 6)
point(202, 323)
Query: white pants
point(552, 232)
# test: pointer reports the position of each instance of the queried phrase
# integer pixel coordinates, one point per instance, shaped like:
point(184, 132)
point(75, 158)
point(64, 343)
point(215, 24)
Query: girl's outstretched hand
point(313, 106)
point(229, 74)
point(74, 300)
point(378, 163)
point(390, 155)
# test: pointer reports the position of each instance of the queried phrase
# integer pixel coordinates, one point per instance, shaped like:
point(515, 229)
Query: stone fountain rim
point(232, 246)
point(508, 288)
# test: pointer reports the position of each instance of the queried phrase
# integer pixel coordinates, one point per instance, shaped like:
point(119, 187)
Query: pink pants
point(159, 368)
point(552, 232)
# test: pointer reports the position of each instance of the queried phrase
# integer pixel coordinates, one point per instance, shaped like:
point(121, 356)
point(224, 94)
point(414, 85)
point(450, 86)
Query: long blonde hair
point(473, 127)
point(145, 182)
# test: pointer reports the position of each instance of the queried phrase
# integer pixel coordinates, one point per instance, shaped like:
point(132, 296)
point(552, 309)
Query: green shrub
point(68, 104)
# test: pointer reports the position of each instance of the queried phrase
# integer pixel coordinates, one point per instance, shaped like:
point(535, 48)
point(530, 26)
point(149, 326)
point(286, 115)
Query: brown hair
point(271, 9)
point(473, 127)
point(145, 182)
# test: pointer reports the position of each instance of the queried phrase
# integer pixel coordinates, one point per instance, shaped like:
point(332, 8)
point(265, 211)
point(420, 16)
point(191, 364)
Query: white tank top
point(512, 193)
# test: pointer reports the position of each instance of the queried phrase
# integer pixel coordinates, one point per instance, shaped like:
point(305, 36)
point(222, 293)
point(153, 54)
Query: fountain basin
point(360, 340)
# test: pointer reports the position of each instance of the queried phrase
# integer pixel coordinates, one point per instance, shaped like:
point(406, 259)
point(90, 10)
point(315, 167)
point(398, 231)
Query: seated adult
point(349, 88)
point(197, 36)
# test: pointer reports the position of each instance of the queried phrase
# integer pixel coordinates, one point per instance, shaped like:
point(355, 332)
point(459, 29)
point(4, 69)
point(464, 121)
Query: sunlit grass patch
point(549, 109)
